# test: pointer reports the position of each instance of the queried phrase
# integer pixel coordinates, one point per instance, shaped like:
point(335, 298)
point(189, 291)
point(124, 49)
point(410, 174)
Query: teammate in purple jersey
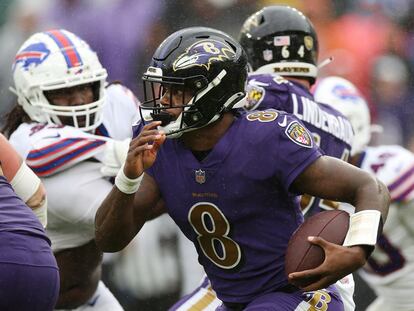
point(231, 180)
point(282, 49)
point(330, 129)
point(29, 276)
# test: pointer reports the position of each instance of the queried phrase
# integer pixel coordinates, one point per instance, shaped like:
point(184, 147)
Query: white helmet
point(52, 60)
point(343, 96)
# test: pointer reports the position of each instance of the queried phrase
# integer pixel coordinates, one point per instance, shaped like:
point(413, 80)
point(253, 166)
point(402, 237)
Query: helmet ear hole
point(261, 19)
point(96, 88)
point(192, 117)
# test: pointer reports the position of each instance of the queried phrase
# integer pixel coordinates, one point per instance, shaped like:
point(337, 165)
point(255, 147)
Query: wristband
point(125, 184)
point(363, 228)
point(25, 183)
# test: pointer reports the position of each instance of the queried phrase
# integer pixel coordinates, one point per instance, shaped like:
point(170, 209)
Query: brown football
point(302, 255)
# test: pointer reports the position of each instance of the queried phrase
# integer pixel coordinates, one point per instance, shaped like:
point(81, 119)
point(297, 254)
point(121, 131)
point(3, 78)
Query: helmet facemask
point(206, 71)
point(82, 116)
point(193, 93)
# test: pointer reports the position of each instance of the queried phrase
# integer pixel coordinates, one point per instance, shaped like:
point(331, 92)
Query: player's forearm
point(116, 223)
point(371, 209)
point(373, 195)
point(10, 160)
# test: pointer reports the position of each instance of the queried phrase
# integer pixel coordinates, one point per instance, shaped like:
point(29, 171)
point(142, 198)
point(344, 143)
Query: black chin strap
point(162, 116)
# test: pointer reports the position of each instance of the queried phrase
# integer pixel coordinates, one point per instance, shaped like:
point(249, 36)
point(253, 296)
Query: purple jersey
point(17, 216)
point(330, 129)
point(235, 205)
point(325, 299)
point(28, 269)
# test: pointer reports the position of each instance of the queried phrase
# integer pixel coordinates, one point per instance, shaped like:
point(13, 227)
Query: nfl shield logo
point(200, 176)
point(268, 55)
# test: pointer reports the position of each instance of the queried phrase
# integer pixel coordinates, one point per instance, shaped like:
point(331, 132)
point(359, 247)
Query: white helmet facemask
point(52, 60)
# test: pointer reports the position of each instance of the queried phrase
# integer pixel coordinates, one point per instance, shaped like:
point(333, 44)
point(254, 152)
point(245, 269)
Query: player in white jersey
point(61, 126)
point(390, 269)
point(74, 130)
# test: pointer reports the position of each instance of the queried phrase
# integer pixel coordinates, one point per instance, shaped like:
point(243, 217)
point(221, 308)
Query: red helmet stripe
point(68, 49)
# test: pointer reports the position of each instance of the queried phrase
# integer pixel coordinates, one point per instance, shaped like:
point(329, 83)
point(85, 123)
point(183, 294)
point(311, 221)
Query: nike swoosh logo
point(258, 83)
point(93, 301)
point(53, 136)
point(283, 123)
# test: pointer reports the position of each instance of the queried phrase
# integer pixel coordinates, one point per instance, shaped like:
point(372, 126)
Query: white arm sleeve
point(25, 183)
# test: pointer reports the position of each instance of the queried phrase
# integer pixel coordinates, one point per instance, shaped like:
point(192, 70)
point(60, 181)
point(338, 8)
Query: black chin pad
point(162, 116)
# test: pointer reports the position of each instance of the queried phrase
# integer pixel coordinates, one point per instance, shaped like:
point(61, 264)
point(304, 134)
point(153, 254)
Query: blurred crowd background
point(371, 41)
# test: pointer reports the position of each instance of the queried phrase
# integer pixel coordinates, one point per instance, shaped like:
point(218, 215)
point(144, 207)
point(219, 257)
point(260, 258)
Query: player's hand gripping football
point(339, 262)
point(143, 150)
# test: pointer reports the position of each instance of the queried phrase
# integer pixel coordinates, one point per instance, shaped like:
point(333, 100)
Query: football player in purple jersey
point(29, 276)
point(231, 180)
point(282, 50)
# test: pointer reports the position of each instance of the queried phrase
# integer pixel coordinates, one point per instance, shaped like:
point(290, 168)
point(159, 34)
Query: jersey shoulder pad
point(120, 111)
point(393, 165)
point(122, 92)
point(21, 140)
point(53, 148)
point(282, 123)
point(266, 91)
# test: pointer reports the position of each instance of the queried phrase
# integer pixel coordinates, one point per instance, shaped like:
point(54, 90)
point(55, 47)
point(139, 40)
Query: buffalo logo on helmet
point(203, 53)
point(33, 54)
point(299, 135)
point(345, 93)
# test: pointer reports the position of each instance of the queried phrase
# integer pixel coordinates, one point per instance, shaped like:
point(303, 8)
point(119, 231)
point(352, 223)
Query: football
point(302, 255)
